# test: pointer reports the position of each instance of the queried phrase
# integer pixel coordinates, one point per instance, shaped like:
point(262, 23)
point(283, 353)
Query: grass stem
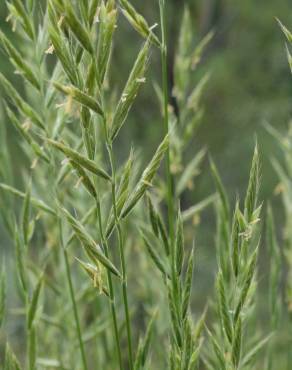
point(170, 198)
point(122, 257)
point(111, 288)
point(74, 305)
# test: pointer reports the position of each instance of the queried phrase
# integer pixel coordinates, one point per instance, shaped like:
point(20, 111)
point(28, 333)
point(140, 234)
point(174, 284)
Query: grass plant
point(101, 241)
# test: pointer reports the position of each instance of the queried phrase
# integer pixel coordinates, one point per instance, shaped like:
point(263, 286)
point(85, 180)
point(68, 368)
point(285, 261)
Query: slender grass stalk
point(105, 248)
point(122, 257)
point(120, 239)
point(31, 348)
point(111, 288)
point(106, 251)
point(170, 195)
point(104, 245)
point(73, 301)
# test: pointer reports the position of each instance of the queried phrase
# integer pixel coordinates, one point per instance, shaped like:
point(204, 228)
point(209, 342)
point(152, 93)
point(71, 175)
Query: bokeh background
point(249, 84)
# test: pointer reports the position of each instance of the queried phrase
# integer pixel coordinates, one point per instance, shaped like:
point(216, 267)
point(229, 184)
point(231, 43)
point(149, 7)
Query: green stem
point(170, 198)
point(30, 346)
point(111, 288)
point(74, 305)
point(106, 251)
point(122, 257)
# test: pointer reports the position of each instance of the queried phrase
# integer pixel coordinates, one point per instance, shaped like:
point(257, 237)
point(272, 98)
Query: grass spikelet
point(143, 346)
point(253, 187)
point(85, 179)
point(76, 27)
point(122, 191)
point(20, 104)
point(236, 345)
point(194, 97)
point(37, 149)
point(218, 351)
point(81, 97)
point(198, 52)
point(33, 305)
point(136, 78)
point(19, 62)
point(84, 9)
point(17, 7)
point(146, 177)
point(235, 242)
point(93, 11)
point(289, 57)
point(285, 30)
point(248, 277)
point(123, 188)
point(107, 19)
point(223, 308)
point(138, 22)
point(249, 357)
point(188, 284)
point(179, 245)
point(80, 160)
point(60, 46)
point(95, 275)
point(91, 248)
